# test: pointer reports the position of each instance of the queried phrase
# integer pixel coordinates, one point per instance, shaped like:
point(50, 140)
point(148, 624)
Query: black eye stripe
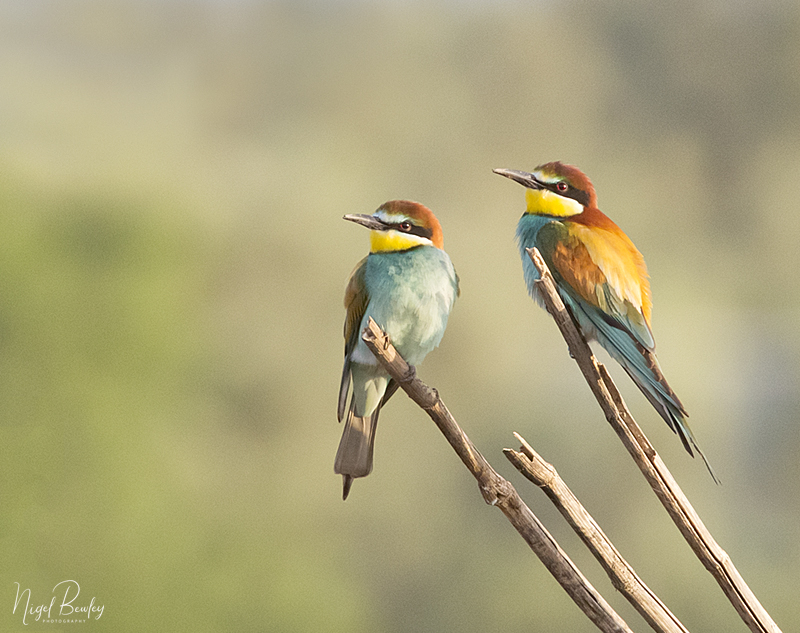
point(421, 231)
point(571, 192)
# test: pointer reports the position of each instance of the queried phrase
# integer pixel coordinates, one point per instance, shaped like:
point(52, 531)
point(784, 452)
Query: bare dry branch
point(495, 489)
point(713, 557)
point(622, 575)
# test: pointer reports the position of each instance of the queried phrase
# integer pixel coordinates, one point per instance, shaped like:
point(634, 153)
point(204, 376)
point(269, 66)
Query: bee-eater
point(600, 276)
point(408, 285)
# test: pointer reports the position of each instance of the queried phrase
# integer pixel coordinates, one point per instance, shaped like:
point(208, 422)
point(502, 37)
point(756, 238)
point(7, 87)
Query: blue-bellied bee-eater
point(408, 285)
point(600, 276)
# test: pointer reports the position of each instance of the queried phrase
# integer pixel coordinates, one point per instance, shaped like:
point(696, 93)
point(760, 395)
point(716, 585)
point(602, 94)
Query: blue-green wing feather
point(619, 326)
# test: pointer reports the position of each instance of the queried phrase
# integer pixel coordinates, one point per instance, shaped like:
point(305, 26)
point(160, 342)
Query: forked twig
point(622, 575)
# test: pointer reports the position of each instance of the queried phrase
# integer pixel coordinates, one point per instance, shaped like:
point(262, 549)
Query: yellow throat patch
point(545, 202)
point(383, 241)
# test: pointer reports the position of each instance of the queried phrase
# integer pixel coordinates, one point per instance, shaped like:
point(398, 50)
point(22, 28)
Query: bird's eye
point(562, 186)
point(405, 225)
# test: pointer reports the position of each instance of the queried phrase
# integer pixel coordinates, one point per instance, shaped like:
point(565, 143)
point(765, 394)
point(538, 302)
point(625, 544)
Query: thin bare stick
point(713, 557)
point(495, 489)
point(622, 575)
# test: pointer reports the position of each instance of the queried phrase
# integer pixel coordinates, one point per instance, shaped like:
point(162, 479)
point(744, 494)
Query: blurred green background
point(172, 264)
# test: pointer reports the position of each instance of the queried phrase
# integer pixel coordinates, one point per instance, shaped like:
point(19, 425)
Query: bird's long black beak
point(522, 177)
point(371, 222)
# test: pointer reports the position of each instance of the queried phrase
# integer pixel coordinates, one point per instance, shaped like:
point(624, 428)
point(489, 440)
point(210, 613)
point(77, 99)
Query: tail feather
point(354, 457)
point(672, 411)
point(674, 418)
point(347, 481)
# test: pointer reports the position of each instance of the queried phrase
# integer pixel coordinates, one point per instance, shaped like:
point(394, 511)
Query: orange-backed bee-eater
point(408, 285)
point(601, 277)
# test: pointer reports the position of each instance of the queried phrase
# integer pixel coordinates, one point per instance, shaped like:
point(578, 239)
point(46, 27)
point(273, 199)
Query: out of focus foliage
point(172, 263)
